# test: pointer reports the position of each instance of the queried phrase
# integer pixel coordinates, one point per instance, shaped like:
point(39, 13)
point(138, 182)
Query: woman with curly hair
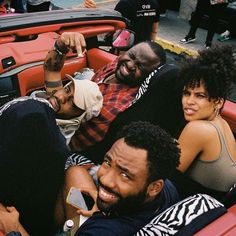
point(208, 148)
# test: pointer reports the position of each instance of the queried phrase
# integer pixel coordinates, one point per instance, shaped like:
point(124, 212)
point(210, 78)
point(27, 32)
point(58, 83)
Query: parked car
point(25, 40)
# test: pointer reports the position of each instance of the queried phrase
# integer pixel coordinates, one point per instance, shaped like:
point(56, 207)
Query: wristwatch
point(59, 50)
point(14, 233)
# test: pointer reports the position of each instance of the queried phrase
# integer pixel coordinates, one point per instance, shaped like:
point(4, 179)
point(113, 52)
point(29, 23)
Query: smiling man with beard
point(132, 181)
point(133, 184)
point(118, 82)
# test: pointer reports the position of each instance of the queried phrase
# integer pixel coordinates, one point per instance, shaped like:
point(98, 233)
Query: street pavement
point(172, 28)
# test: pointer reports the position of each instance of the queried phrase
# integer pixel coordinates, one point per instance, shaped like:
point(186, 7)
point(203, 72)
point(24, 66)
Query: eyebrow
point(122, 168)
point(201, 93)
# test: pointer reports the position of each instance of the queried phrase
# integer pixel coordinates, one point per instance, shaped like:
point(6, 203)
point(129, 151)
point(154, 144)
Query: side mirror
point(123, 39)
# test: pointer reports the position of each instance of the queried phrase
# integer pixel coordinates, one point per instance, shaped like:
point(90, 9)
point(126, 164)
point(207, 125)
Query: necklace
point(109, 78)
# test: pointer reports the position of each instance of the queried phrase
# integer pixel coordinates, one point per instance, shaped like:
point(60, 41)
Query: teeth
point(104, 195)
point(125, 70)
point(54, 103)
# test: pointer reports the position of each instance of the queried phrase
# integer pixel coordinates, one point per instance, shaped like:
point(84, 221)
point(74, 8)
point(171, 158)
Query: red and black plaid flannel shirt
point(116, 99)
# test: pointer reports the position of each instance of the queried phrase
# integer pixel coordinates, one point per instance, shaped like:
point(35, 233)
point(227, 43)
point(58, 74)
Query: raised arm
point(154, 31)
point(55, 58)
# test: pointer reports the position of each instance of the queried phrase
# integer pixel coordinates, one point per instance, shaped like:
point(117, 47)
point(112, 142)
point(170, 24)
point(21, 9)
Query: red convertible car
point(25, 40)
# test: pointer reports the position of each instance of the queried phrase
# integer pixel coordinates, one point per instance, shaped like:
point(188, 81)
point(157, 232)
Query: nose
point(190, 99)
point(63, 97)
point(108, 179)
point(131, 65)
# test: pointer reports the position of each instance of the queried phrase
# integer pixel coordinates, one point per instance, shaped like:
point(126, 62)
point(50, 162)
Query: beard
point(123, 205)
point(130, 79)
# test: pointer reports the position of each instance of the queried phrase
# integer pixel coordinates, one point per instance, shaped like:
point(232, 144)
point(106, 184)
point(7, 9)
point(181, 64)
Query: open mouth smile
point(106, 196)
point(55, 103)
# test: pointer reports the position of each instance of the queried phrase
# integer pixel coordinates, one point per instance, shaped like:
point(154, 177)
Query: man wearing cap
point(34, 152)
point(118, 81)
point(76, 102)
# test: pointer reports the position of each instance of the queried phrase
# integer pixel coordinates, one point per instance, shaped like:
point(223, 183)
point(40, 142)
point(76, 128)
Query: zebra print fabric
point(179, 215)
point(80, 160)
point(77, 159)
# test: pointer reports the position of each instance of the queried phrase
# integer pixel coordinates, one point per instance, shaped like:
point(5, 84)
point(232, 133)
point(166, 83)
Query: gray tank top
point(219, 174)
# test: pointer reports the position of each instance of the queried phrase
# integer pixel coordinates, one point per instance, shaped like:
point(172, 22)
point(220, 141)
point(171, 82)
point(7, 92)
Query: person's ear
point(155, 188)
point(219, 103)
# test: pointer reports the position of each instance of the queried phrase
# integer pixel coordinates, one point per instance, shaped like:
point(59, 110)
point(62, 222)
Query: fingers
point(80, 44)
point(90, 191)
point(89, 4)
point(85, 213)
point(11, 208)
point(88, 213)
point(74, 41)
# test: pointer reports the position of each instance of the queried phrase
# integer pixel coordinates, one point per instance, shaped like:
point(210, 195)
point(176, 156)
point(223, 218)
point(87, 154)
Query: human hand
point(9, 219)
point(89, 4)
point(93, 194)
point(73, 40)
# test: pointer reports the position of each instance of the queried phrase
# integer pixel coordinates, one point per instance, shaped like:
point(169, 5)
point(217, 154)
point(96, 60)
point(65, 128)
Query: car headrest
point(163, 75)
point(185, 217)
point(156, 101)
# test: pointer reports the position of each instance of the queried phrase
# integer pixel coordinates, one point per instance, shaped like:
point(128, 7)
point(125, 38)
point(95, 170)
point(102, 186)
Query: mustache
point(108, 189)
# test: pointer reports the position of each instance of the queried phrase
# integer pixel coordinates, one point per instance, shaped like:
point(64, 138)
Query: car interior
point(22, 53)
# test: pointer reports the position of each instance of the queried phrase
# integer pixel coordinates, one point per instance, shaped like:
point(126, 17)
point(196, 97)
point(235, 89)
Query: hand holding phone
point(76, 199)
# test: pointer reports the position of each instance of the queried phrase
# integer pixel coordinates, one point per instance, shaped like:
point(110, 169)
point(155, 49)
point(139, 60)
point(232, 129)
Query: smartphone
point(76, 199)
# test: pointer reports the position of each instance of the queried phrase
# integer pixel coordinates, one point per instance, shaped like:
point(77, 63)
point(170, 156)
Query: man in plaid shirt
point(118, 81)
point(117, 97)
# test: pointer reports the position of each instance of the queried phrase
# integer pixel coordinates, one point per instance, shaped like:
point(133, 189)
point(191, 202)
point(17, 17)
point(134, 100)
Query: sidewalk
point(172, 29)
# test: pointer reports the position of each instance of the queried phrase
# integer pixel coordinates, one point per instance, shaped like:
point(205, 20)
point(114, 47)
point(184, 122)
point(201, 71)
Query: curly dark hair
point(163, 152)
point(214, 67)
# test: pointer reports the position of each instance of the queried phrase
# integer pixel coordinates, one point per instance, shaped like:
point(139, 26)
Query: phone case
point(76, 199)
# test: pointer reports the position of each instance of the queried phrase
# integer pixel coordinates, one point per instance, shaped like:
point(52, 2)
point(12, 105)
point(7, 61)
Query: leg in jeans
point(41, 7)
point(214, 12)
point(201, 9)
point(231, 26)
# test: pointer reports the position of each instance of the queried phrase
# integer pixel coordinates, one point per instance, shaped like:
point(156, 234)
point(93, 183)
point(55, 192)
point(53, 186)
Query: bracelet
point(53, 84)
point(60, 51)
point(13, 233)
